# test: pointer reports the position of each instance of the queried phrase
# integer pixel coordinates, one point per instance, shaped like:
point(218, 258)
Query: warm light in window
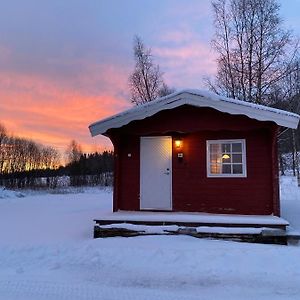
point(226, 158)
point(178, 143)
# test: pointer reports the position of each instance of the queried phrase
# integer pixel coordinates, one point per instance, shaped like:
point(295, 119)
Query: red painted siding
point(191, 188)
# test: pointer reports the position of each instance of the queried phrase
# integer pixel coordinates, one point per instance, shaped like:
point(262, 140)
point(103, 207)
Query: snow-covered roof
point(197, 98)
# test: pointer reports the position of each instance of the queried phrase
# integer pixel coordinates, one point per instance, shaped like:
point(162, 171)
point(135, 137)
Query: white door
point(156, 173)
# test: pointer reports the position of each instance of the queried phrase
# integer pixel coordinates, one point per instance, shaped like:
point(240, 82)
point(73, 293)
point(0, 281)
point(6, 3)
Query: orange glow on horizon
point(38, 109)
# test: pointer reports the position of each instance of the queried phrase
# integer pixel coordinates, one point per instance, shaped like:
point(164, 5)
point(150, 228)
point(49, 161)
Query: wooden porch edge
point(279, 237)
point(188, 224)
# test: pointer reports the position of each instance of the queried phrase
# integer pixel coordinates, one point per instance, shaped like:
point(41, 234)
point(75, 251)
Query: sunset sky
point(65, 64)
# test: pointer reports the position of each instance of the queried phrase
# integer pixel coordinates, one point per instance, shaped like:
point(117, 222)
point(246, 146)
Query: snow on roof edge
point(140, 112)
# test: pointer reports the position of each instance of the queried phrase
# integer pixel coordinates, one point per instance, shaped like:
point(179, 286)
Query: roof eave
point(284, 119)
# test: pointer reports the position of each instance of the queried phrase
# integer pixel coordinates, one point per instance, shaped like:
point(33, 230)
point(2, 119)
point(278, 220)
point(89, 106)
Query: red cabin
point(195, 151)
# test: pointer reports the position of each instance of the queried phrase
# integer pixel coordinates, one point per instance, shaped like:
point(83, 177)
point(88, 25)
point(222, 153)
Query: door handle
point(167, 173)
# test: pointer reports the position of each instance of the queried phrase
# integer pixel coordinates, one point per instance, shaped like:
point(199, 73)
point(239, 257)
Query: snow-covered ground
point(47, 252)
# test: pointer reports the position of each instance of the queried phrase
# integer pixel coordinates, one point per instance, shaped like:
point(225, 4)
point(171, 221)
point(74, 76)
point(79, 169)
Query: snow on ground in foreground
point(47, 252)
point(50, 218)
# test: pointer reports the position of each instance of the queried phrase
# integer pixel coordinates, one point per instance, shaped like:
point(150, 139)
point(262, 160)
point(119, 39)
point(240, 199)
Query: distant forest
point(27, 164)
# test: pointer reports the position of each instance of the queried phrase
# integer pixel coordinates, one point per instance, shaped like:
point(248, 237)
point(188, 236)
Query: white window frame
point(244, 163)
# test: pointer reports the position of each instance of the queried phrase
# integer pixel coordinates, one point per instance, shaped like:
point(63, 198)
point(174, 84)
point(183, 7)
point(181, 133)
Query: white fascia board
point(198, 99)
point(133, 114)
point(258, 112)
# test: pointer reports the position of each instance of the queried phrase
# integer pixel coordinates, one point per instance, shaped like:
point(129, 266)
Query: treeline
point(92, 163)
point(27, 164)
point(95, 169)
point(19, 155)
point(91, 169)
point(88, 169)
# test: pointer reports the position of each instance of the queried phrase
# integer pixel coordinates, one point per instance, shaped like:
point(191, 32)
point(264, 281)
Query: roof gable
point(199, 99)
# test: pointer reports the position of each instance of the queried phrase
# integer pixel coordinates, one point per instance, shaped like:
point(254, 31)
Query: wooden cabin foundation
point(242, 228)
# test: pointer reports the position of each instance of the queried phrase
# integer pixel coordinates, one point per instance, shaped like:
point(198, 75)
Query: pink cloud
point(183, 34)
point(51, 113)
point(185, 65)
point(182, 46)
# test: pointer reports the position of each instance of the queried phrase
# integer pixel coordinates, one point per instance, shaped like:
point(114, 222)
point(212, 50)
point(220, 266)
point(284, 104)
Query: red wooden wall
point(191, 188)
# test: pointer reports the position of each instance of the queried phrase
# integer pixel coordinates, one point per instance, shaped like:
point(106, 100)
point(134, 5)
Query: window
point(226, 158)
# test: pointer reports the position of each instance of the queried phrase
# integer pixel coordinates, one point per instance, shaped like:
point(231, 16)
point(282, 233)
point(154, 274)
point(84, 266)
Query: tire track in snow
point(39, 290)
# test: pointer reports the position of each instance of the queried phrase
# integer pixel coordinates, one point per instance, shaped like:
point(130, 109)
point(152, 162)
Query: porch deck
point(191, 219)
point(244, 228)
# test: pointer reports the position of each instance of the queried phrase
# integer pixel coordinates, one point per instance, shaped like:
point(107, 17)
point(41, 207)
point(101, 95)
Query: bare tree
point(21, 155)
point(165, 90)
point(3, 132)
point(287, 96)
point(254, 50)
point(145, 82)
point(3, 137)
point(50, 158)
point(73, 152)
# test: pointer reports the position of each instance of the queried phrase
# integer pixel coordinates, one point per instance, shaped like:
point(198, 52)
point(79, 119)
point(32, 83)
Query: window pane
point(226, 169)
point(226, 148)
point(237, 158)
point(237, 169)
point(226, 158)
point(236, 147)
point(215, 168)
point(215, 148)
point(215, 157)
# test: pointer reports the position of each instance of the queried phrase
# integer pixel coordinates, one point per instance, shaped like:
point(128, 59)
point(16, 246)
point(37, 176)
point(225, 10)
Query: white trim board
point(222, 175)
point(197, 98)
